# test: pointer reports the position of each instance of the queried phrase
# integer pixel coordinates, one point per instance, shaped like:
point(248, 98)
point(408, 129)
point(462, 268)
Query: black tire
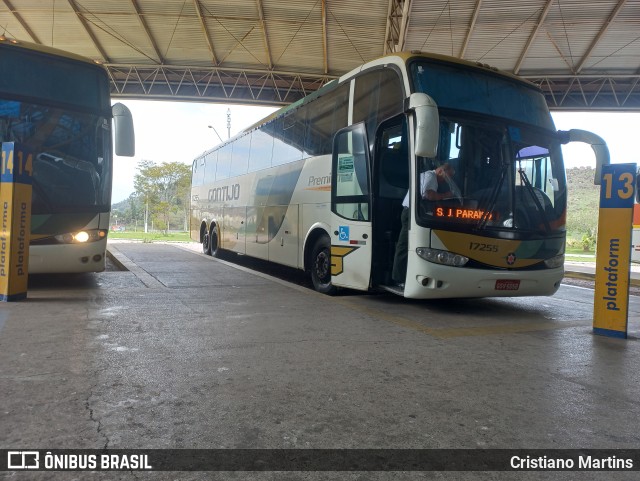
point(214, 245)
point(321, 266)
point(206, 244)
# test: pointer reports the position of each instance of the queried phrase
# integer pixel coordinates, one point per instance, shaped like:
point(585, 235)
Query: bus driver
point(432, 183)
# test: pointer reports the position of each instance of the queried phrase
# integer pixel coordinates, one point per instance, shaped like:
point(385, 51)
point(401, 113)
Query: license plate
point(507, 285)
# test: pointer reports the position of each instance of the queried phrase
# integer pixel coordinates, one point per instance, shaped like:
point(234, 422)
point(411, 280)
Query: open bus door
point(351, 240)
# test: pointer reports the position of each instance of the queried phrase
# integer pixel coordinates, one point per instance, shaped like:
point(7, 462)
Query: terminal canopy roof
point(585, 54)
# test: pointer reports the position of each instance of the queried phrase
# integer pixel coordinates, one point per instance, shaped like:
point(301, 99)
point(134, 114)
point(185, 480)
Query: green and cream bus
point(57, 105)
point(319, 185)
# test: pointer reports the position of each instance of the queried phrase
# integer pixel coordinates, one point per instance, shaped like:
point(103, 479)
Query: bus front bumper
point(67, 258)
point(439, 281)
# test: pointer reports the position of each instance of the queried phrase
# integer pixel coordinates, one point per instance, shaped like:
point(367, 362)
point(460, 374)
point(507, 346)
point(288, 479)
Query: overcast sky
point(178, 131)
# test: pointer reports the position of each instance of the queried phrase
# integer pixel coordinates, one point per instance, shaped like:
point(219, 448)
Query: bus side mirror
point(597, 143)
point(125, 142)
point(427, 124)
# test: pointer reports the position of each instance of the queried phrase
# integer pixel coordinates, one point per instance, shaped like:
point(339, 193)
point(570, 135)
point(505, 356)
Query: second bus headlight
point(81, 237)
point(555, 262)
point(442, 257)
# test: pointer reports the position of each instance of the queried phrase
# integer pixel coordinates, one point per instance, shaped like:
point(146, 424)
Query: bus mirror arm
point(597, 143)
point(125, 143)
point(427, 124)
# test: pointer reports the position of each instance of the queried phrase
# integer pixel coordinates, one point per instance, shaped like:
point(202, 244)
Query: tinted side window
point(284, 151)
point(378, 95)
point(241, 149)
point(210, 160)
point(326, 115)
point(261, 149)
point(224, 162)
point(197, 172)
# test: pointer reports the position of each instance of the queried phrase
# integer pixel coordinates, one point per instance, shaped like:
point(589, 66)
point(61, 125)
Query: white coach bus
point(319, 185)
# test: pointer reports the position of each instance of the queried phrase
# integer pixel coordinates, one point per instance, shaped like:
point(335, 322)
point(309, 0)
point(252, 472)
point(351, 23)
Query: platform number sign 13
point(618, 183)
point(613, 253)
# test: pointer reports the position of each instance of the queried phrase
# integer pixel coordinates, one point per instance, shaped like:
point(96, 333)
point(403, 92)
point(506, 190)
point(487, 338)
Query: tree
point(132, 210)
point(162, 187)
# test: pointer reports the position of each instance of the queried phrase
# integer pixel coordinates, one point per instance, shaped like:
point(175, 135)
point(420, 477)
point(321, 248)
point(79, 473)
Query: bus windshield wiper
point(493, 200)
point(532, 193)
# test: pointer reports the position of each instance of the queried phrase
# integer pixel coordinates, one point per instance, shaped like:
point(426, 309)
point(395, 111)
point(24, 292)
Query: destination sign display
point(462, 213)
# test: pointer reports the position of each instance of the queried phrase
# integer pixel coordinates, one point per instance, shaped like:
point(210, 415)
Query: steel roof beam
point(591, 92)
point(21, 21)
point(562, 56)
point(533, 35)
point(472, 25)
point(85, 25)
point(404, 24)
point(391, 29)
point(268, 87)
point(397, 23)
point(265, 35)
point(601, 33)
point(325, 46)
point(211, 84)
point(145, 27)
point(205, 29)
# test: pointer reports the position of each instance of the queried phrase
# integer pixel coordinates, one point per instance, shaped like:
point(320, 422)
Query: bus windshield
point(456, 87)
point(71, 158)
point(505, 178)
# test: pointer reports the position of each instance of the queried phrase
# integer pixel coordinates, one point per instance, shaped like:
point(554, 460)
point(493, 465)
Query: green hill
point(582, 213)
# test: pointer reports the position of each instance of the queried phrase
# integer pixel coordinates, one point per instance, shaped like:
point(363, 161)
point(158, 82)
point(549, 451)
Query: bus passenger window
point(261, 150)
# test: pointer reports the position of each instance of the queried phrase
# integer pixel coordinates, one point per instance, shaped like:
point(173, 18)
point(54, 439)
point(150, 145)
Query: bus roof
point(34, 47)
point(404, 57)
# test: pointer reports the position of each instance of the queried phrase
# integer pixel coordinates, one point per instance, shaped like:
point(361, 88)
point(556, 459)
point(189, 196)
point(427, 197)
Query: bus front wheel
point(321, 266)
point(206, 244)
point(214, 247)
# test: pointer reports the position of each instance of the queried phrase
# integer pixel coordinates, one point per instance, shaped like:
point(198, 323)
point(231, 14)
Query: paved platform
point(587, 271)
point(186, 351)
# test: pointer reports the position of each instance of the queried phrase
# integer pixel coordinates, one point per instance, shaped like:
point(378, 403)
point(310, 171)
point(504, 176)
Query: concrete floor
point(185, 351)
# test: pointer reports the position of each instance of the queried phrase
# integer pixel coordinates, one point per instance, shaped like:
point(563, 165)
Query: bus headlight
point(442, 257)
point(555, 262)
point(82, 236)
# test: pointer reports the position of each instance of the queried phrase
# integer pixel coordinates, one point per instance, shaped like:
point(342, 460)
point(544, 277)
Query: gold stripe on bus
point(338, 253)
point(503, 253)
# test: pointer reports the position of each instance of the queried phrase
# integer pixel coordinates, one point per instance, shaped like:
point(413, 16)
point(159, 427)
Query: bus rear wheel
point(321, 266)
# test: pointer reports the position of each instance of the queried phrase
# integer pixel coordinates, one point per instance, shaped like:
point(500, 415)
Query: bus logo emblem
point(511, 258)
